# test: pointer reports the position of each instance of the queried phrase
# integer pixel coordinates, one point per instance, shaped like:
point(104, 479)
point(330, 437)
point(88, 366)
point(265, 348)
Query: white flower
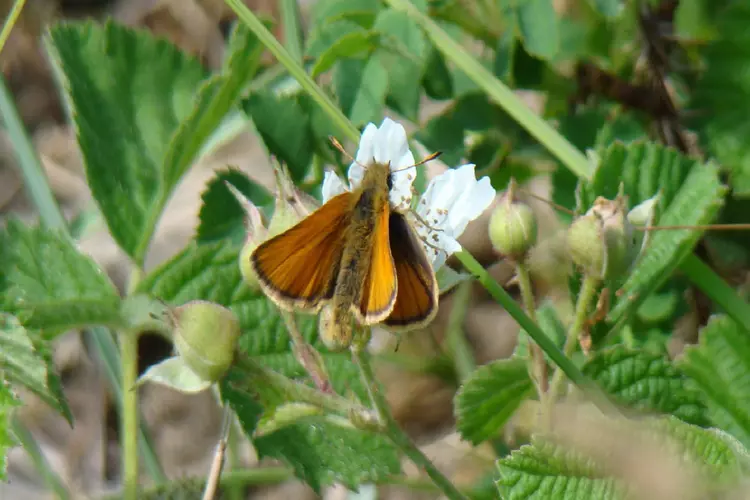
point(385, 144)
point(450, 202)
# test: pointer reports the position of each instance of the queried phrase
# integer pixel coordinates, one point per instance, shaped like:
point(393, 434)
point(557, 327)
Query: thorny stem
point(585, 297)
point(394, 432)
point(307, 356)
point(538, 365)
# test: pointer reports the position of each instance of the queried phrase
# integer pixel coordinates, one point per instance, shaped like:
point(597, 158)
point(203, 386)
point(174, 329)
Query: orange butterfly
point(356, 255)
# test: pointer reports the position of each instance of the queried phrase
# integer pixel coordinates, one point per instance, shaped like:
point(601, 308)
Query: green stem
point(538, 365)
point(585, 296)
point(34, 176)
point(463, 359)
point(129, 418)
point(15, 13)
point(536, 333)
point(499, 92)
point(266, 38)
point(41, 464)
point(394, 432)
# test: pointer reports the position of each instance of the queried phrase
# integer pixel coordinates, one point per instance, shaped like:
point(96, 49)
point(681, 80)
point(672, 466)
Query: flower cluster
point(450, 202)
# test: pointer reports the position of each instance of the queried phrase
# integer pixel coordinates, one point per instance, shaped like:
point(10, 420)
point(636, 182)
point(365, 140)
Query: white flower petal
point(386, 144)
point(332, 186)
point(356, 174)
point(365, 152)
point(450, 202)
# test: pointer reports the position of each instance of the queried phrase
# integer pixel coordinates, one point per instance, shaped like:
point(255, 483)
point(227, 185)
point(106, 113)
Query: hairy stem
point(307, 356)
point(394, 432)
point(538, 365)
point(585, 297)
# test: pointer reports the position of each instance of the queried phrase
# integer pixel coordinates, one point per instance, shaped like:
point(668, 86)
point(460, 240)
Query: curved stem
point(394, 432)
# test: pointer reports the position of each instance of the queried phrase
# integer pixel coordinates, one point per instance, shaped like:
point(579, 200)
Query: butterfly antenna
point(421, 162)
point(337, 145)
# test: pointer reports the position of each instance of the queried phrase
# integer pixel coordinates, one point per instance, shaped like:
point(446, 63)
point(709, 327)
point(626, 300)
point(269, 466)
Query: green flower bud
point(205, 337)
point(246, 269)
point(600, 242)
point(513, 228)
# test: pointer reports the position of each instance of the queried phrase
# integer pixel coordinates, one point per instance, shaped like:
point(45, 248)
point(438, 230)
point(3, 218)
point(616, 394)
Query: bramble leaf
point(403, 50)
point(723, 89)
point(362, 87)
point(646, 381)
point(8, 402)
point(215, 98)
point(23, 364)
point(128, 93)
point(537, 23)
point(720, 367)
point(320, 454)
point(54, 287)
point(284, 127)
point(221, 215)
point(543, 469)
point(690, 194)
point(490, 396)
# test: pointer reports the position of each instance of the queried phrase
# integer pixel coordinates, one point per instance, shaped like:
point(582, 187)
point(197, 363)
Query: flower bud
point(600, 242)
point(513, 228)
point(205, 337)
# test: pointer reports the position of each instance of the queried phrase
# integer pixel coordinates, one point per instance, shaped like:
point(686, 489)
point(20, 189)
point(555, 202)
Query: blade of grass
point(499, 92)
point(13, 15)
point(717, 289)
point(41, 464)
point(36, 182)
point(298, 72)
point(292, 34)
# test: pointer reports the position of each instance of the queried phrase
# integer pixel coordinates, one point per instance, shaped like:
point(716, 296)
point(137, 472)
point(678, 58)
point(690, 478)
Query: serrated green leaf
point(646, 381)
point(327, 11)
point(128, 92)
point(23, 364)
point(324, 36)
point(221, 215)
point(8, 402)
point(544, 470)
point(720, 367)
point(216, 97)
point(320, 454)
point(284, 128)
point(490, 396)
point(52, 286)
point(437, 80)
point(362, 88)
point(722, 95)
point(537, 22)
point(404, 52)
point(690, 194)
point(353, 44)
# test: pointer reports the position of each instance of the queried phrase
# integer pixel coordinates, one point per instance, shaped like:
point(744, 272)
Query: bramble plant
point(583, 394)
